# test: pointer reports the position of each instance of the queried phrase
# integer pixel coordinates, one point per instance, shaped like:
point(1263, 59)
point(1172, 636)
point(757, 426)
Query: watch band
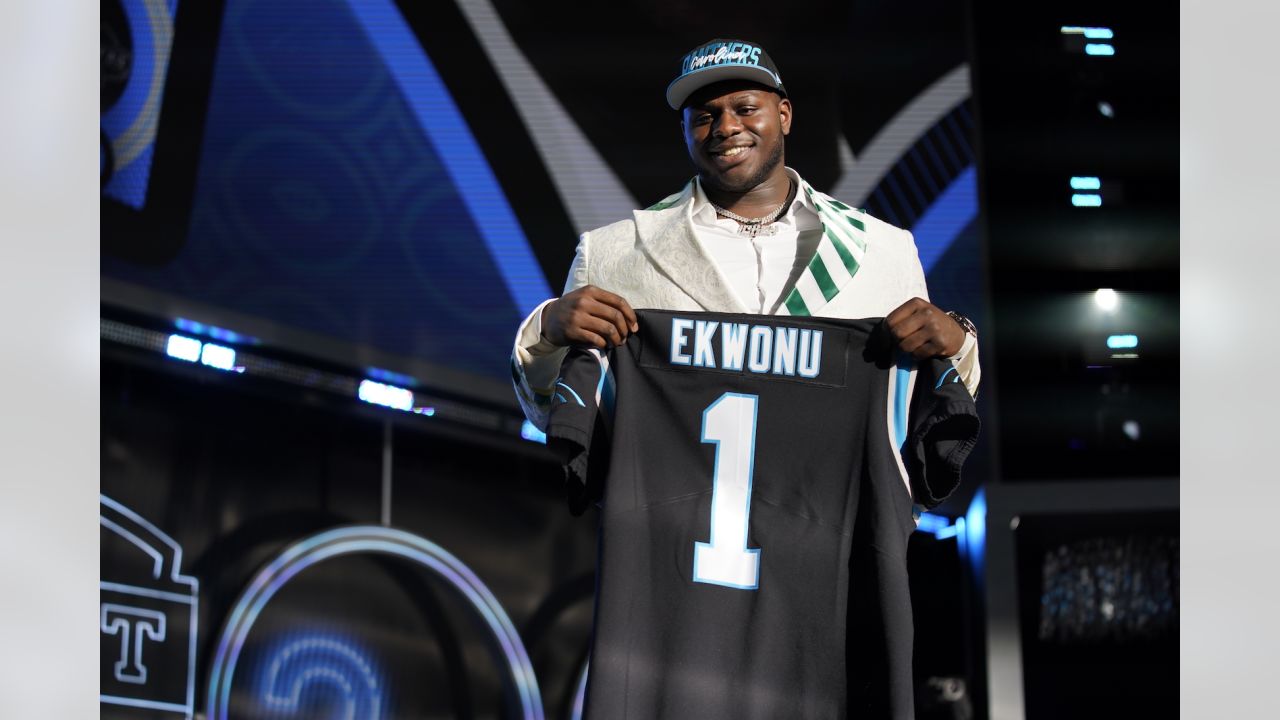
point(963, 322)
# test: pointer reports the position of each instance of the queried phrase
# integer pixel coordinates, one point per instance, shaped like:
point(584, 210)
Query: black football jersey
point(756, 477)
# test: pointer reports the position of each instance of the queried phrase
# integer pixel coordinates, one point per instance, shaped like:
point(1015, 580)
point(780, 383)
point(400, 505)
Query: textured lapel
point(667, 237)
point(839, 255)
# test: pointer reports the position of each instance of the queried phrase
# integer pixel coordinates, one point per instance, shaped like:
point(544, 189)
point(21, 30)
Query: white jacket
point(863, 268)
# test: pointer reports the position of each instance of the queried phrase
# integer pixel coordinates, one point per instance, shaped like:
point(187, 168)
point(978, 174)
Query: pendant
point(754, 230)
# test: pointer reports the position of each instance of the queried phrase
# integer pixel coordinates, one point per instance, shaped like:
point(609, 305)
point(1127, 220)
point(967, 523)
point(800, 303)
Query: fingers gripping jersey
point(756, 477)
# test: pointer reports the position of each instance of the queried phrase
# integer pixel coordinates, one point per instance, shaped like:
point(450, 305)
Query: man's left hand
point(922, 329)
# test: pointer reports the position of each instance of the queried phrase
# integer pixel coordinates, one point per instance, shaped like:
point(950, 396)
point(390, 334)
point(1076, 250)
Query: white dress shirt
point(758, 269)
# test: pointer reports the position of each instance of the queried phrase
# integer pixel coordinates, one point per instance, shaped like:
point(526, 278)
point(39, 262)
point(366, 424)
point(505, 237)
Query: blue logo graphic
point(304, 671)
point(306, 665)
point(575, 395)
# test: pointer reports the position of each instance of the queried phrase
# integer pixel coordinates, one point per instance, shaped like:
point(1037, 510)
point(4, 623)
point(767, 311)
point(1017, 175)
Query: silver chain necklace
point(752, 227)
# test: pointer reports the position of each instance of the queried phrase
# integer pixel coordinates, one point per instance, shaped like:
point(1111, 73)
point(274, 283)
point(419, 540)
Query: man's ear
point(784, 113)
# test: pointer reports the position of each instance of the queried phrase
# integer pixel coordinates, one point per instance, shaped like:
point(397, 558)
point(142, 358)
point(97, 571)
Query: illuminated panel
point(1092, 33)
point(147, 619)
point(375, 540)
point(1075, 36)
point(181, 347)
point(386, 395)
point(218, 356)
point(1118, 342)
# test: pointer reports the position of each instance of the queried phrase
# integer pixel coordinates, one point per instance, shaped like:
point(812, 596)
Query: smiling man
point(754, 518)
point(746, 235)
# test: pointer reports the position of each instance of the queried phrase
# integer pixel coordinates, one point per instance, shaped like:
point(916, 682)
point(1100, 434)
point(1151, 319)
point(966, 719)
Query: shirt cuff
point(530, 335)
point(965, 348)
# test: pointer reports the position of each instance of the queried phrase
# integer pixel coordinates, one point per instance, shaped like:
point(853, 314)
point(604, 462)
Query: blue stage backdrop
point(346, 185)
point(376, 183)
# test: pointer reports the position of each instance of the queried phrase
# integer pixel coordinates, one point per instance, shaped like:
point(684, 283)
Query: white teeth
point(733, 151)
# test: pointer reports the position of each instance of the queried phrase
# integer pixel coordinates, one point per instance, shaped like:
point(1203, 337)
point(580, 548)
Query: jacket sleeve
point(535, 363)
point(966, 359)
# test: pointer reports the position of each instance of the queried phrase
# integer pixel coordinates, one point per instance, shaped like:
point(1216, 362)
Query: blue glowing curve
point(951, 212)
point(309, 661)
point(357, 540)
point(974, 529)
point(166, 556)
point(447, 131)
point(580, 693)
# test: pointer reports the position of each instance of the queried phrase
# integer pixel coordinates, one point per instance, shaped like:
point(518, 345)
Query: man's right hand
point(588, 316)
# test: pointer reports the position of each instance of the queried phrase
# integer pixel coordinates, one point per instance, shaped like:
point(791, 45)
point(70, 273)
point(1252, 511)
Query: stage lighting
point(1119, 342)
point(183, 348)
point(388, 376)
point(530, 432)
point(1074, 37)
point(1086, 200)
point(1132, 430)
point(385, 395)
point(1106, 299)
point(931, 523)
point(1086, 183)
point(217, 356)
point(1093, 33)
point(217, 333)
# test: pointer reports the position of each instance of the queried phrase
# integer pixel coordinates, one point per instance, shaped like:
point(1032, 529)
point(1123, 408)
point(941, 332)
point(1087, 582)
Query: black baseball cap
point(723, 59)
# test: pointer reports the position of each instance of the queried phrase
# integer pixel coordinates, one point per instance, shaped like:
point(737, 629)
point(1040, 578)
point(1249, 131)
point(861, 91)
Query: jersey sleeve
point(574, 425)
point(942, 430)
point(533, 360)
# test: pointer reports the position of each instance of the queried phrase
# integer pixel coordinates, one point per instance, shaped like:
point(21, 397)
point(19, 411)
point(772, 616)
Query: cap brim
point(685, 85)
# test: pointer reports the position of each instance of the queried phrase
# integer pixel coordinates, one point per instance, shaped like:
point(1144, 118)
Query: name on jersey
point(762, 349)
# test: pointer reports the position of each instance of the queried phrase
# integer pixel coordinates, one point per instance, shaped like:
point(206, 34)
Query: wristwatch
point(963, 322)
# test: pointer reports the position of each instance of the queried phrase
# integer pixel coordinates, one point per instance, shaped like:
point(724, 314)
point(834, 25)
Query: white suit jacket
point(863, 267)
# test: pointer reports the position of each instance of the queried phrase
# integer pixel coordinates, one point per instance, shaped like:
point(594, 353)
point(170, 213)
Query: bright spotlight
point(1132, 430)
point(1107, 299)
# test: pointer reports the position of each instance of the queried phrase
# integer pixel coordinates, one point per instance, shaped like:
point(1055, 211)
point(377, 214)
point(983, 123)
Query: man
point(747, 235)
point(802, 609)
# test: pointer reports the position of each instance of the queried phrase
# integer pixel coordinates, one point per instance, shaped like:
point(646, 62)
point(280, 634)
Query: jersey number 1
point(730, 423)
